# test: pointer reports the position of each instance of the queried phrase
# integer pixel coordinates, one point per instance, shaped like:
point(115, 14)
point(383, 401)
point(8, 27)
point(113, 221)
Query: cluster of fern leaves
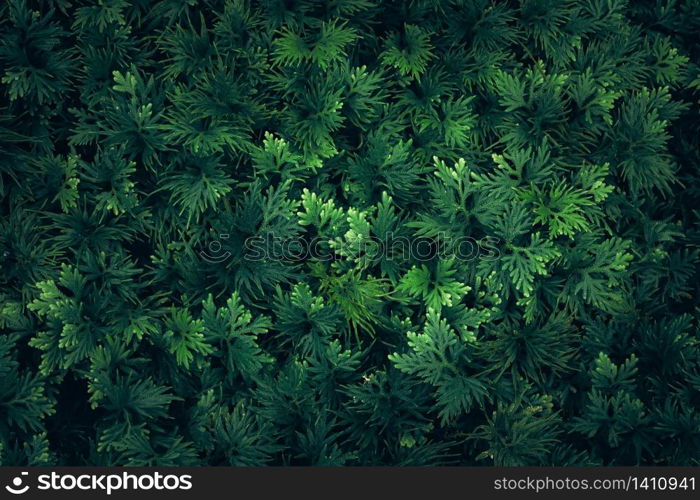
point(144, 145)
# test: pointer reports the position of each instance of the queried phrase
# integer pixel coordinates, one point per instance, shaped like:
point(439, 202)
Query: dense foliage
point(145, 144)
